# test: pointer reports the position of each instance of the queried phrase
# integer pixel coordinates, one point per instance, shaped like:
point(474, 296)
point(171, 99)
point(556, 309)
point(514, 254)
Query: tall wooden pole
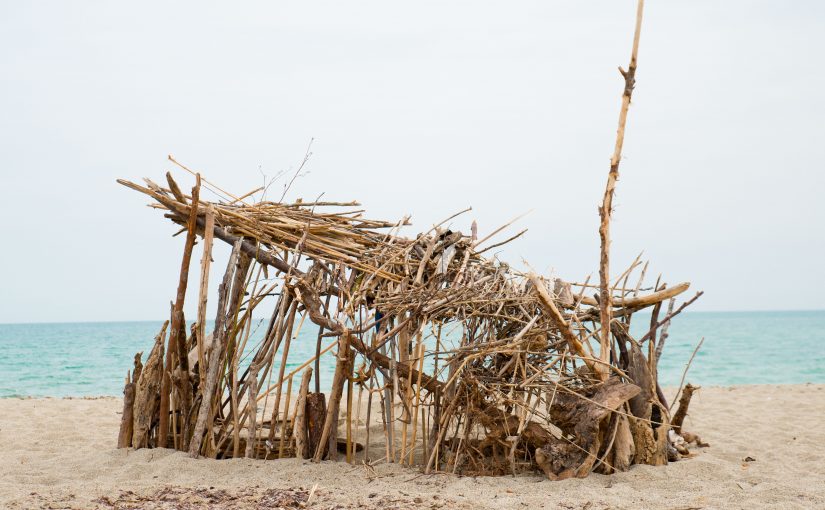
point(605, 301)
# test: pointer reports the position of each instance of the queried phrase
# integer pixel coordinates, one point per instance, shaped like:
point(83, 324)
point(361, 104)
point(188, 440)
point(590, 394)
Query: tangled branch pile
point(475, 367)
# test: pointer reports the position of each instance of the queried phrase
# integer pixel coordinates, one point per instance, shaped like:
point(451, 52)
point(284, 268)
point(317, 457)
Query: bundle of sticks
point(469, 365)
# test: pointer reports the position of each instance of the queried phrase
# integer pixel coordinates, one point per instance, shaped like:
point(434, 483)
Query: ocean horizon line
point(644, 312)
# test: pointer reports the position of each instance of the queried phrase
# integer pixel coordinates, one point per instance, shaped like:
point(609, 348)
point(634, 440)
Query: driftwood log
point(302, 449)
point(124, 437)
point(583, 422)
point(147, 393)
point(316, 412)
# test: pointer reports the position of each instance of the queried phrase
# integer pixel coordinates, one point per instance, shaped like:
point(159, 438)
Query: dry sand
point(59, 453)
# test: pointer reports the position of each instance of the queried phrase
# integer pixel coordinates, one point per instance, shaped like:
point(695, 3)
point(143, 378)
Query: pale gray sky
point(422, 108)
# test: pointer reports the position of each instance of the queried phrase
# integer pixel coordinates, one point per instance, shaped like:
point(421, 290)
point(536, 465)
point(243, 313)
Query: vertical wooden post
point(416, 404)
point(206, 261)
point(251, 402)
point(282, 442)
point(124, 437)
point(147, 392)
point(214, 364)
point(239, 283)
point(181, 380)
point(367, 423)
point(283, 309)
point(606, 209)
point(177, 344)
point(349, 417)
point(299, 427)
point(333, 430)
point(335, 395)
point(286, 330)
point(316, 412)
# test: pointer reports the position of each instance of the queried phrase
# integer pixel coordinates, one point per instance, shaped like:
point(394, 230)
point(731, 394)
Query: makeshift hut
point(478, 368)
point(469, 365)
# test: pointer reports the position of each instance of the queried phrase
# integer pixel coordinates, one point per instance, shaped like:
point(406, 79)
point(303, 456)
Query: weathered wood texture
point(299, 431)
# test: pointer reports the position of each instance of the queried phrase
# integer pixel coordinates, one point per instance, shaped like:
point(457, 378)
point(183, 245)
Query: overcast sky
point(419, 108)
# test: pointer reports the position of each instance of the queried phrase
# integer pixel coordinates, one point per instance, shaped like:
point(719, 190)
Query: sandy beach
point(59, 453)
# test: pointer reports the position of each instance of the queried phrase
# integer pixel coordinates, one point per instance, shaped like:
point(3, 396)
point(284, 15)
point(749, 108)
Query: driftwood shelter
point(478, 368)
point(471, 366)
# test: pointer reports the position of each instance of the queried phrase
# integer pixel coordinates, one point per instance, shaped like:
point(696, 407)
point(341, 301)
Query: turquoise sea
point(90, 359)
